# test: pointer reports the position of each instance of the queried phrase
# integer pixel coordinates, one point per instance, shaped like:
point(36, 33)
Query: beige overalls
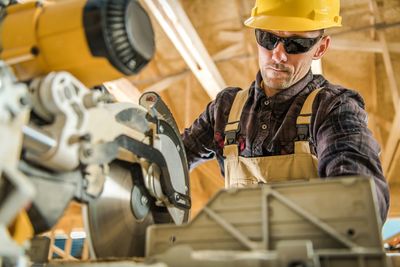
point(241, 171)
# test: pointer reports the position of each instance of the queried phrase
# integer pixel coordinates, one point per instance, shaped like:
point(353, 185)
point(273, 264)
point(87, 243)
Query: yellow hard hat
point(295, 15)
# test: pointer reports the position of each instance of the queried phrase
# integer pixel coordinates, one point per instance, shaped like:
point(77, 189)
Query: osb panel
point(239, 72)
point(385, 108)
point(205, 182)
point(72, 218)
point(210, 12)
point(351, 70)
point(186, 111)
point(394, 210)
point(396, 172)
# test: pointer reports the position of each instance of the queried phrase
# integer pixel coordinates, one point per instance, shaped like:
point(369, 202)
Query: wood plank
point(391, 148)
point(389, 70)
point(176, 24)
point(362, 46)
point(391, 145)
point(354, 45)
point(228, 52)
point(383, 123)
point(205, 182)
point(188, 100)
point(165, 83)
point(392, 168)
point(394, 210)
point(373, 125)
point(231, 36)
point(123, 90)
point(373, 5)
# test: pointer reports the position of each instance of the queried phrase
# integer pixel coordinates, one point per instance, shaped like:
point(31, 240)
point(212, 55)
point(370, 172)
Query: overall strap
point(232, 127)
point(304, 120)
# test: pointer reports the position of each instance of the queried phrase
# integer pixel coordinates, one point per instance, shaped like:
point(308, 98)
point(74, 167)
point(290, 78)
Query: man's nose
point(279, 54)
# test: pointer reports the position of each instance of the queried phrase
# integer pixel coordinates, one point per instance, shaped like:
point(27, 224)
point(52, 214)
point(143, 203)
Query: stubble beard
point(275, 82)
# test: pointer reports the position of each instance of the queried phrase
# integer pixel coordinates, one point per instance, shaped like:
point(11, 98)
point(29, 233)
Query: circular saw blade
point(113, 230)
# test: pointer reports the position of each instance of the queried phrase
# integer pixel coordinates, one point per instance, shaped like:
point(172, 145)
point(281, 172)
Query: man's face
point(280, 69)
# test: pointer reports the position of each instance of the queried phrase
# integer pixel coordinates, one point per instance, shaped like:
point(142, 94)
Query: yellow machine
point(126, 163)
point(96, 41)
point(61, 141)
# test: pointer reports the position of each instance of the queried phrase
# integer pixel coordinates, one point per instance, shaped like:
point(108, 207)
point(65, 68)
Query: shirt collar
point(281, 99)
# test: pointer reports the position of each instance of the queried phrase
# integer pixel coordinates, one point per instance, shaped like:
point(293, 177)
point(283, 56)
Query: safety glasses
point(292, 45)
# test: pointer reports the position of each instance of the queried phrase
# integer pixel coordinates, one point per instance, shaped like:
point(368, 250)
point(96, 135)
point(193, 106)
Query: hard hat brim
point(276, 23)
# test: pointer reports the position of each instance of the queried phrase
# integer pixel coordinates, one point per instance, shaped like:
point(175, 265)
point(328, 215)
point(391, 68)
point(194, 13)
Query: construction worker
point(290, 124)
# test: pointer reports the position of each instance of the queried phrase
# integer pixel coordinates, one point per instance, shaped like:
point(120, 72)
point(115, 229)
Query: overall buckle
point(230, 137)
point(302, 132)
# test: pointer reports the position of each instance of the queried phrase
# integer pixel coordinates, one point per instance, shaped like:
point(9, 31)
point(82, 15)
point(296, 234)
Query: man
point(290, 124)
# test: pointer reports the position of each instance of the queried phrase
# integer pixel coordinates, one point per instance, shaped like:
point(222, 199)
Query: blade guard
point(177, 194)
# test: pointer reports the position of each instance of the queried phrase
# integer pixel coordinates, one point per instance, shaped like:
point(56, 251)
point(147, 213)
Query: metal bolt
point(86, 137)
point(87, 152)
point(177, 197)
point(24, 100)
point(161, 129)
point(144, 200)
point(35, 50)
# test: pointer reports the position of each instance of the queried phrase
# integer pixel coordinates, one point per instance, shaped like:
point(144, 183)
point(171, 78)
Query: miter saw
point(61, 141)
point(126, 163)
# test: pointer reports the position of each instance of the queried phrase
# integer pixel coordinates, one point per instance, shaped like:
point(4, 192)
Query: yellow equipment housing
point(81, 37)
point(21, 229)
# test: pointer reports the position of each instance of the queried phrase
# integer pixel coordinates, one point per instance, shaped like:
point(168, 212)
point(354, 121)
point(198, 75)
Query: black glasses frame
point(292, 45)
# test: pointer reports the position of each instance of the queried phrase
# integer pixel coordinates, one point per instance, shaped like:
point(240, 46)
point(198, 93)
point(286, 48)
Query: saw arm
point(93, 145)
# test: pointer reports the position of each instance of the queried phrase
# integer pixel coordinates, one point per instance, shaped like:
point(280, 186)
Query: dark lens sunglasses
point(292, 45)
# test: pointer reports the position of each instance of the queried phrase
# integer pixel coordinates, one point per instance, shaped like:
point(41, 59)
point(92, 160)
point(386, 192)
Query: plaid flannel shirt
point(339, 136)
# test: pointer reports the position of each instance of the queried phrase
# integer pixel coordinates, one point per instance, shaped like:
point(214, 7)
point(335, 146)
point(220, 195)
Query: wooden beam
point(178, 27)
point(188, 101)
point(359, 11)
point(372, 21)
point(231, 36)
point(392, 172)
point(64, 255)
point(228, 52)
point(165, 83)
point(391, 153)
point(373, 125)
point(394, 47)
point(374, 86)
point(383, 123)
point(362, 46)
point(389, 71)
point(376, 26)
point(123, 90)
point(374, 118)
point(211, 179)
point(394, 210)
point(391, 146)
point(85, 250)
point(386, 55)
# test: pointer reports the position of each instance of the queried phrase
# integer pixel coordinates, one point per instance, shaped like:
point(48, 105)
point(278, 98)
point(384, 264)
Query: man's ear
point(322, 47)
